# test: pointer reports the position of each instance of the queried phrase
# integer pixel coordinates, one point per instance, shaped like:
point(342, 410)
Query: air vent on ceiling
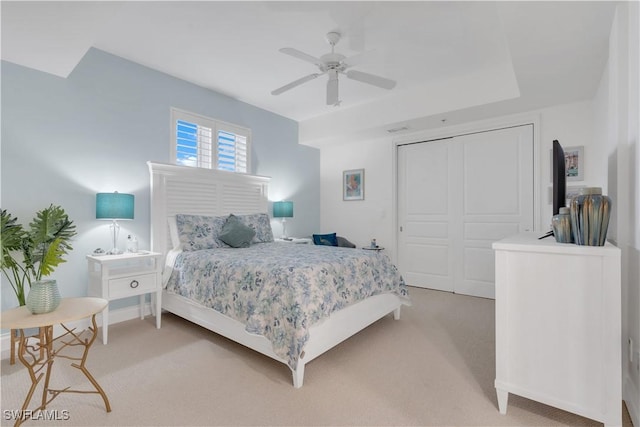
point(394, 130)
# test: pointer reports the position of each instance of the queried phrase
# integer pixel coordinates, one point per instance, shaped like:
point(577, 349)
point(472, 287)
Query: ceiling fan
point(333, 64)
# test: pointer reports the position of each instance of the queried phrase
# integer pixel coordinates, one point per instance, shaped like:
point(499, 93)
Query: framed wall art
point(573, 163)
point(353, 184)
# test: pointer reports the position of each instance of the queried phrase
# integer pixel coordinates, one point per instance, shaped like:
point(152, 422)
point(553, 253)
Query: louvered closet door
point(456, 197)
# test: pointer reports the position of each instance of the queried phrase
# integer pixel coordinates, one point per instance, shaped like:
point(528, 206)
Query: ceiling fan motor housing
point(332, 61)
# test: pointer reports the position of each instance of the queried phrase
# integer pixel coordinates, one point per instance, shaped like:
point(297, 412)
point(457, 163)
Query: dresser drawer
point(132, 285)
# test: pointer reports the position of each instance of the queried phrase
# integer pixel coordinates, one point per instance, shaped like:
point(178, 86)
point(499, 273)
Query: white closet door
point(425, 247)
point(497, 201)
point(456, 197)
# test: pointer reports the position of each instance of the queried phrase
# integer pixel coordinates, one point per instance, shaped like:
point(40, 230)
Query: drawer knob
point(134, 284)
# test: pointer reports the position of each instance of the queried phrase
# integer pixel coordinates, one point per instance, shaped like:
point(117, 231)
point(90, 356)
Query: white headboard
point(198, 191)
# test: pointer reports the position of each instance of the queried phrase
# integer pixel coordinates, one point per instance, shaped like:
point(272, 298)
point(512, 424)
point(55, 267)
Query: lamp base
point(284, 229)
point(115, 230)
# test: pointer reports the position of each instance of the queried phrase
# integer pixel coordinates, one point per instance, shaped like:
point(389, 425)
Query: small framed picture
point(573, 163)
point(353, 184)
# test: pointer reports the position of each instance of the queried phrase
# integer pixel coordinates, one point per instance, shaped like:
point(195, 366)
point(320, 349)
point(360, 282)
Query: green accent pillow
point(236, 234)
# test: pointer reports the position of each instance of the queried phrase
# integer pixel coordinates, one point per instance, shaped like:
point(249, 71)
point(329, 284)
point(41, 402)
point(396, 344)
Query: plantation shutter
point(232, 150)
point(207, 143)
point(193, 144)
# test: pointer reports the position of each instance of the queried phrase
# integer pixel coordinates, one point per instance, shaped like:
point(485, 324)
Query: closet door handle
point(134, 284)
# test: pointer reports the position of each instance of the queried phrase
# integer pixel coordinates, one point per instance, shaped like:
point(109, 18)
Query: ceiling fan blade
point(301, 55)
point(294, 84)
point(371, 79)
point(332, 88)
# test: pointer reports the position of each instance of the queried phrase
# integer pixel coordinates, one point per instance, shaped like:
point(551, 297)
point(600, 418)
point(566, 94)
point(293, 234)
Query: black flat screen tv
point(559, 178)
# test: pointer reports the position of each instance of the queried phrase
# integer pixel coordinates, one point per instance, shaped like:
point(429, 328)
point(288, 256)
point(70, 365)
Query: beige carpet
point(433, 367)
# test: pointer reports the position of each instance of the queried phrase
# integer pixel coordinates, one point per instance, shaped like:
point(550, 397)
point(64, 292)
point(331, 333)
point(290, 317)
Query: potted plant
point(30, 254)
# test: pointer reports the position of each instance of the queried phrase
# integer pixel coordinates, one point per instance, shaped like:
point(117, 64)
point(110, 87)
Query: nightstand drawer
point(132, 285)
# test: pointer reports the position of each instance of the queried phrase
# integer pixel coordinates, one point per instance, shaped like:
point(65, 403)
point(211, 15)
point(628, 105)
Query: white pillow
point(173, 232)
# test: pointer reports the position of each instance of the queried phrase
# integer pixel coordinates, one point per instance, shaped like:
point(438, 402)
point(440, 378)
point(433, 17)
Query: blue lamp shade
point(114, 206)
point(283, 209)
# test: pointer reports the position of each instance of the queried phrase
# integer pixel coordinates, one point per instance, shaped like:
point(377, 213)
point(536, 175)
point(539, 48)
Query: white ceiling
point(452, 60)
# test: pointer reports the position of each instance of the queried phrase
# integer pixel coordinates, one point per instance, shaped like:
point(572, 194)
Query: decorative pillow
point(325, 239)
point(198, 232)
point(236, 234)
point(261, 224)
point(344, 243)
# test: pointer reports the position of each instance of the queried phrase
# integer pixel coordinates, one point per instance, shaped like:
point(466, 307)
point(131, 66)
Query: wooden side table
point(40, 364)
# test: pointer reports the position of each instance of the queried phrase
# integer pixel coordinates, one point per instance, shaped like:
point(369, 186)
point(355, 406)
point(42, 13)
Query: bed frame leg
point(396, 313)
point(298, 375)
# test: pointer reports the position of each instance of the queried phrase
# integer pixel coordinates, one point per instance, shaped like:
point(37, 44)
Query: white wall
point(618, 124)
point(64, 140)
point(360, 221)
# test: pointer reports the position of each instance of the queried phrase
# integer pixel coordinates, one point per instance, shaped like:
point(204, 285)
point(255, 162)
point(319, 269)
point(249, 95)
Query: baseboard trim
point(631, 397)
point(115, 316)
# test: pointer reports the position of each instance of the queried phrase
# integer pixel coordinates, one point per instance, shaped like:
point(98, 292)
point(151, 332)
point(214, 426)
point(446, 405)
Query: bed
point(287, 301)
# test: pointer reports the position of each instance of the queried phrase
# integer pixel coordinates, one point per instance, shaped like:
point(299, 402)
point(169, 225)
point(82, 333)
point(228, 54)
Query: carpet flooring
point(433, 367)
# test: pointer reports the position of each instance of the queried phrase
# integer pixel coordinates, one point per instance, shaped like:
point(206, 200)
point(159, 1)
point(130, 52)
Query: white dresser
point(558, 325)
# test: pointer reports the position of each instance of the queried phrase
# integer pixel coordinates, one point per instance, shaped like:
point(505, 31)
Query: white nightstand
point(120, 276)
point(377, 248)
point(299, 240)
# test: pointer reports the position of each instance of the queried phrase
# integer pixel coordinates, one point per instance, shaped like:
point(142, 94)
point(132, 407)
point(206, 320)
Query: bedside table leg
point(105, 325)
point(158, 301)
point(142, 306)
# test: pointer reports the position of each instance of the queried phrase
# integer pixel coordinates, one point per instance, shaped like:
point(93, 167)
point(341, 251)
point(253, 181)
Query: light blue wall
point(63, 140)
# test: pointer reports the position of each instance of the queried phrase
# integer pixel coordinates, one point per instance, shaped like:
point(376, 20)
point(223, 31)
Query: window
point(203, 142)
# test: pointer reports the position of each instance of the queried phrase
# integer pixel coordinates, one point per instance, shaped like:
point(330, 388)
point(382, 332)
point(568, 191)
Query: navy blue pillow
point(325, 239)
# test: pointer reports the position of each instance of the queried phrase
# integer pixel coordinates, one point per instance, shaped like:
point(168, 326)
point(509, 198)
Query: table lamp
point(114, 206)
point(283, 210)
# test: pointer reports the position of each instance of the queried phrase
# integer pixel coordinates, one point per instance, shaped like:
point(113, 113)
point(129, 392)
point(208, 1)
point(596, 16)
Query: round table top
point(70, 309)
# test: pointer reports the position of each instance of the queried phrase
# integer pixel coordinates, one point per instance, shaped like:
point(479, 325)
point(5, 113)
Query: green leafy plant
point(30, 254)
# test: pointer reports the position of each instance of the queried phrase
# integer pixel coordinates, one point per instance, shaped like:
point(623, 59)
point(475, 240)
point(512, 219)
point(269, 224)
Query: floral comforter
point(279, 290)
